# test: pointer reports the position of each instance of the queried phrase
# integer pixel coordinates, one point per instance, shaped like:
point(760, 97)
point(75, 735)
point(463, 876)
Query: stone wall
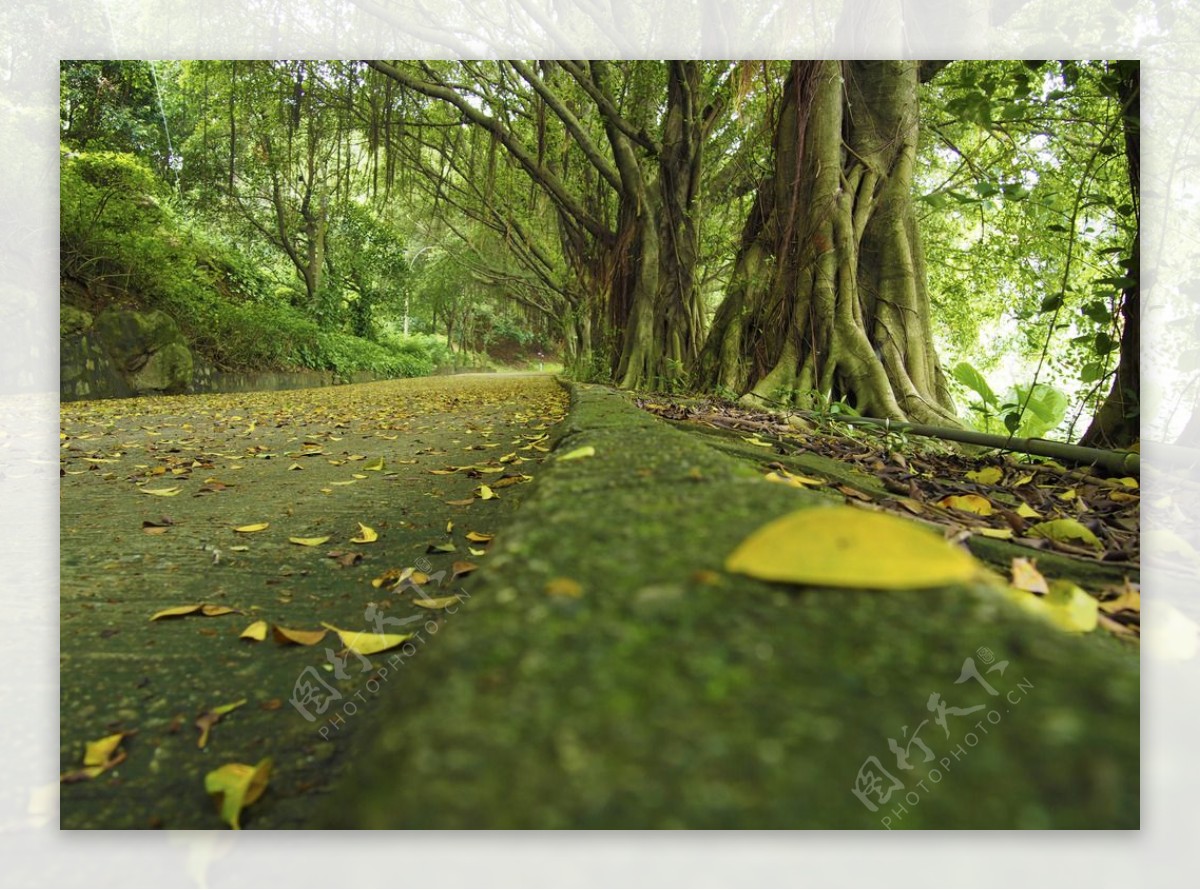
point(121, 353)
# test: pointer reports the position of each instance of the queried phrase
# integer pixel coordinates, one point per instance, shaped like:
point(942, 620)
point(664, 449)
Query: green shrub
point(117, 229)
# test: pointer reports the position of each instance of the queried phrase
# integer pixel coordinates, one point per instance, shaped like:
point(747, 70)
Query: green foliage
point(116, 232)
point(1025, 412)
point(1028, 221)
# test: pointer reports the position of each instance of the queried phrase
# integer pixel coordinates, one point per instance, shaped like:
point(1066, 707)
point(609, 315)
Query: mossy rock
point(73, 321)
point(147, 348)
point(167, 370)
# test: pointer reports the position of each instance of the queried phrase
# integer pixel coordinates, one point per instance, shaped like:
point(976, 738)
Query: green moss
point(672, 694)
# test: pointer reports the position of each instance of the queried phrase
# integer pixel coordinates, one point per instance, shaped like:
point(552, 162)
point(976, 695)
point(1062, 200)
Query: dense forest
point(953, 243)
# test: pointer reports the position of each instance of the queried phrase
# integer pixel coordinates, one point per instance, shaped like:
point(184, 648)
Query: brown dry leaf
point(287, 635)
point(209, 719)
point(1025, 576)
point(461, 503)
point(345, 558)
point(461, 567)
point(854, 493)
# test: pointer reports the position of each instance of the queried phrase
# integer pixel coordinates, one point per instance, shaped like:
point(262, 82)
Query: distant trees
point(789, 232)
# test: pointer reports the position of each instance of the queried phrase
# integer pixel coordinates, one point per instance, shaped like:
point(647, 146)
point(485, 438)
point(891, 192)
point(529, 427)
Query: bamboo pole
point(1114, 461)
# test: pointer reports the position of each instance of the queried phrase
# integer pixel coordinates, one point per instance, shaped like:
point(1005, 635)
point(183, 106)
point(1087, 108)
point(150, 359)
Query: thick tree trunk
point(1118, 422)
point(657, 304)
point(828, 295)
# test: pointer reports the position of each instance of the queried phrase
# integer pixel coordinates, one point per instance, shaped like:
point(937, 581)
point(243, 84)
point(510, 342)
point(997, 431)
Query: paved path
point(311, 464)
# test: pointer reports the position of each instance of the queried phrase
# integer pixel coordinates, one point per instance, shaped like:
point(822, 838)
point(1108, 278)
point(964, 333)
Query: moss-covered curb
point(670, 694)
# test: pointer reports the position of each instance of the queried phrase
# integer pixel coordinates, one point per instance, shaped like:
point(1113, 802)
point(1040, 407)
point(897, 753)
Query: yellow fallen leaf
point(793, 479)
point(299, 637)
point(375, 464)
point(577, 453)
point(254, 527)
point(365, 535)
point(161, 492)
point(1123, 497)
point(449, 526)
point(968, 503)
point(475, 552)
point(1025, 576)
point(1128, 481)
point(1064, 531)
point(295, 467)
point(437, 602)
point(367, 643)
point(256, 631)
point(309, 542)
point(240, 548)
point(1027, 511)
point(1002, 534)
point(986, 476)
point(567, 587)
point(849, 547)
point(235, 786)
point(485, 493)
point(98, 756)
point(208, 610)
point(756, 441)
point(1129, 599)
point(1067, 606)
point(478, 537)
point(1068, 495)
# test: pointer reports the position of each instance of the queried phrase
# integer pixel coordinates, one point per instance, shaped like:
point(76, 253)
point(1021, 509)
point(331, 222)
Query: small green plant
point(1025, 411)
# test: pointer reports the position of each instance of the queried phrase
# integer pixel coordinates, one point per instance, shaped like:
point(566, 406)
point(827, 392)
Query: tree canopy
point(947, 242)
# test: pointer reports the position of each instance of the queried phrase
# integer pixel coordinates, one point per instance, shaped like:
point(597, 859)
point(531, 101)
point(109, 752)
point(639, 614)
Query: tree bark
point(828, 296)
point(1118, 422)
